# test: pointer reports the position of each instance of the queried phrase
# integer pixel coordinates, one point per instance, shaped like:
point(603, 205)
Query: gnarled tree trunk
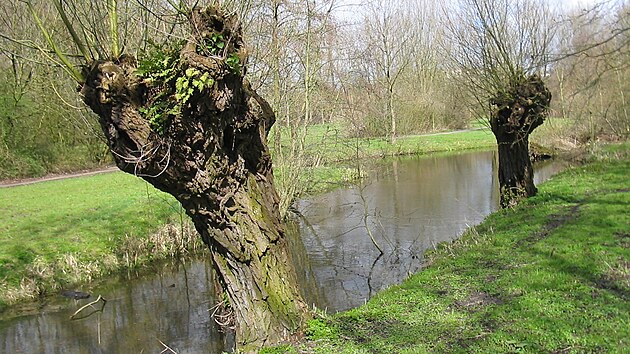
point(207, 147)
point(520, 109)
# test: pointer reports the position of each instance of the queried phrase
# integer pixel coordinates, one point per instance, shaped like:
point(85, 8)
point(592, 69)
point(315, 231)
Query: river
point(407, 205)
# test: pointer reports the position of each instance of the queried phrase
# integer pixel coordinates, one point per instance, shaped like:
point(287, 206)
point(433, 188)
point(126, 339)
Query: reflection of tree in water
point(412, 205)
point(365, 262)
point(165, 306)
point(360, 273)
point(311, 292)
point(409, 206)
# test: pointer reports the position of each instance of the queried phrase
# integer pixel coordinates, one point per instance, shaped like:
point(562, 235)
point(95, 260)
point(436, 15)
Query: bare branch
point(66, 64)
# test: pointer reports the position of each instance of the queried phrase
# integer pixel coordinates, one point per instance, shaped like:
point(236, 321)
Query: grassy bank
point(330, 159)
point(58, 233)
point(331, 145)
point(551, 275)
point(55, 234)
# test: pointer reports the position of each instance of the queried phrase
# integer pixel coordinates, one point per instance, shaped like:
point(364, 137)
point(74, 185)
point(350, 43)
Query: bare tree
point(389, 31)
point(289, 48)
point(502, 51)
point(592, 71)
point(40, 129)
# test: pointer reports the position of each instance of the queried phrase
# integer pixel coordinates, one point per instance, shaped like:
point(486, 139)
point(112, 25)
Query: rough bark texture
point(212, 156)
point(520, 109)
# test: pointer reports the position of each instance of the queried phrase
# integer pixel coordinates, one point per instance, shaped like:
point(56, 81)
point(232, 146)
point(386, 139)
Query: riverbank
point(58, 234)
point(61, 233)
point(551, 275)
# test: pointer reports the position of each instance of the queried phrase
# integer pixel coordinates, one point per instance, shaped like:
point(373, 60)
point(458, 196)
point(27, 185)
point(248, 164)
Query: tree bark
point(212, 156)
point(520, 109)
point(516, 175)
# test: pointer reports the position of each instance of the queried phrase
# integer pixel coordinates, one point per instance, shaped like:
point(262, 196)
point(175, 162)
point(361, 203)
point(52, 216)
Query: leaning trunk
point(192, 127)
point(520, 109)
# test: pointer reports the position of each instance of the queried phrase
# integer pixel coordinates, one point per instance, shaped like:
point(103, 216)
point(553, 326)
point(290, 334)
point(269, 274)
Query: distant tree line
point(382, 69)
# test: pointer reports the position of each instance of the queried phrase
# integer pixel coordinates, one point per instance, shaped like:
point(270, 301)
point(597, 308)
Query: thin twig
point(89, 305)
point(166, 348)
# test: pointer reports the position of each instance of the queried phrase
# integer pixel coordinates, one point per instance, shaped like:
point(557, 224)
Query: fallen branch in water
point(91, 304)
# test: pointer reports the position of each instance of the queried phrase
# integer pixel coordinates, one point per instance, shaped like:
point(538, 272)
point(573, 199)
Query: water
point(170, 306)
point(409, 205)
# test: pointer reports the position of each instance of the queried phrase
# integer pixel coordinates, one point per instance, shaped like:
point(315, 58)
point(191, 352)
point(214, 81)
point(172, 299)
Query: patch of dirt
point(555, 221)
point(494, 264)
point(363, 331)
point(624, 239)
point(617, 280)
point(488, 327)
point(478, 300)
point(491, 278)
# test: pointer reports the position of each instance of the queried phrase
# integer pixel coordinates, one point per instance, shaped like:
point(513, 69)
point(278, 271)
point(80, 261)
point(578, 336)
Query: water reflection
point(170, 307)
point(410, 206)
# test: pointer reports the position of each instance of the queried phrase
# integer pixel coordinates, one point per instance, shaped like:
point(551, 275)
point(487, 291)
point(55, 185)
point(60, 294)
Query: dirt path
point(23, 182)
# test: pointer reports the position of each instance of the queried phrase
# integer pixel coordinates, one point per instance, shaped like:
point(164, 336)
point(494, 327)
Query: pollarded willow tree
point(501, 51)
point(186, 120)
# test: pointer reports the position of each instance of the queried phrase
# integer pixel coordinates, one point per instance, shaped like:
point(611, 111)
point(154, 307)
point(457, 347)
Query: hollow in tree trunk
point(187, 122)
point(518, 110)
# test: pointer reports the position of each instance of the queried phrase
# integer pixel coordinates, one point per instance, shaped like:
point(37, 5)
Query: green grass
point(329, 142)
point(86, 217)
point(330, 159)
point(551, 275)
point(102, 221)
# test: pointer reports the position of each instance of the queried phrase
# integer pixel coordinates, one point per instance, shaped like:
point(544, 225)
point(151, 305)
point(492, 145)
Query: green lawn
point(329, 142)
point(85, 217)
point(337, 158)
point(551, 275)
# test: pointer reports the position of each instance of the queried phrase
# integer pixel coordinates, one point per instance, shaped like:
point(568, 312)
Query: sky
point(579, 4)
point(347, 9)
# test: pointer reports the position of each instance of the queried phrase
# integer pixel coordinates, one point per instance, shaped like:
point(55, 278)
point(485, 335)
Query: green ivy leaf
point(191, 72)
point(234, 63)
